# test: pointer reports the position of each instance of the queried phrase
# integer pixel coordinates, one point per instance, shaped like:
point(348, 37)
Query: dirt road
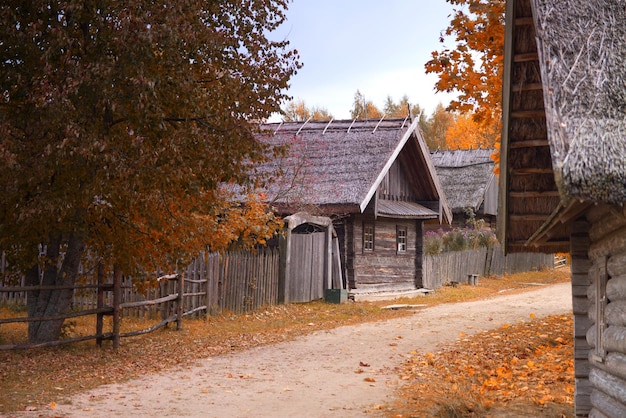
point(343, 372)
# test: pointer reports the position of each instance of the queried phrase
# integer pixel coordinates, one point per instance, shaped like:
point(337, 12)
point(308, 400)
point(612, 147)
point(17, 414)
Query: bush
point(458, 239)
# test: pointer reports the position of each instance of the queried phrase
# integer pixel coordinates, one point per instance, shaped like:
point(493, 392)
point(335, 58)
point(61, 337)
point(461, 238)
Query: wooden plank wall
point(456, 265)
point(384, 269)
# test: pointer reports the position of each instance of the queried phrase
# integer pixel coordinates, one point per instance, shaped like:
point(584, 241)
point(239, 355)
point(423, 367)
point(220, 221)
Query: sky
point(378, 47)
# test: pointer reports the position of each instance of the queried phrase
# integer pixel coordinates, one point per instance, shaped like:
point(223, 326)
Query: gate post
point(179, 301)
point(117, 301)
point(285, 266)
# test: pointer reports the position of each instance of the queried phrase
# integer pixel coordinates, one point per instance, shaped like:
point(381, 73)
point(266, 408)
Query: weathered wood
point(117, 302)
point(180, 301)
point(100, 304)
point(606, 406)
point(616, 266)
point(150, 302)
point(610, 385)
point(615, 313)
point(104, 310)
point(615, 339)
point(616, 288)
point(614, 363)
point(613, 243)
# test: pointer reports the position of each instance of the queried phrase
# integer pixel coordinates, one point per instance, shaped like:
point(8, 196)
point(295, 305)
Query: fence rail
point(237, 282)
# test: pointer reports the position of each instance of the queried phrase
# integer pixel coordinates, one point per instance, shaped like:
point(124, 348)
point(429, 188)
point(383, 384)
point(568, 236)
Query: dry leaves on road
point(528, 363)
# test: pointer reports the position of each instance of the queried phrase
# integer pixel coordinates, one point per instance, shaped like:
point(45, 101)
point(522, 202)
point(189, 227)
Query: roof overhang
point(404, 210)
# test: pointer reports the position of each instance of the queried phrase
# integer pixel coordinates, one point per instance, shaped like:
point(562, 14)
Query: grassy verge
point(32, 379)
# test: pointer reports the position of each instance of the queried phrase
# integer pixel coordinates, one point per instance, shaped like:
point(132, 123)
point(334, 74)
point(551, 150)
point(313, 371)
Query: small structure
point(563, 171)
point(469, 181)
point(375, 179)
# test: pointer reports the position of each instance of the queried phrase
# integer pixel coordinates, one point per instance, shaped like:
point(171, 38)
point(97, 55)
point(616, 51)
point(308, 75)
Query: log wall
point(606, 313)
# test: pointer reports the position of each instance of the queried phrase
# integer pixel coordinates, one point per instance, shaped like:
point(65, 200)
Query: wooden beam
point(531, 171)
point(533, 193)
point(526, 87)
point(531, 143)
point(543, 244)
point(524, 21)
point(526, 57)
point(528, 114)
point(530, 217)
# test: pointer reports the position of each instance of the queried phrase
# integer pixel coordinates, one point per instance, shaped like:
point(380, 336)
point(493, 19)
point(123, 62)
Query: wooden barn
point(470, 184)
point(375, 180)
point(563, 171)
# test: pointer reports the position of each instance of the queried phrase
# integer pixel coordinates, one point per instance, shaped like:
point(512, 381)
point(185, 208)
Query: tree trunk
point(49, 303)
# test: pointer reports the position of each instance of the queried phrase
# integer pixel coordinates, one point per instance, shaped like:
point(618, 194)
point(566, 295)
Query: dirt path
point(315, 376)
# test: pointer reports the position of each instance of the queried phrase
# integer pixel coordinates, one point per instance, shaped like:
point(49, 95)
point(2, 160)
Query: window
point(368, 237)
point(401, 238)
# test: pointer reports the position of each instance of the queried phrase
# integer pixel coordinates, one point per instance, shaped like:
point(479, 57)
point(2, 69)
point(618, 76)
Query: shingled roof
point(564, 117)
point(339, 164)
point(465, 176)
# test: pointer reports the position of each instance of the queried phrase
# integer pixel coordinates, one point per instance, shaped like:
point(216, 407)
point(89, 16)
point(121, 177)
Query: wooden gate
point(307, 266)
point(309, 260)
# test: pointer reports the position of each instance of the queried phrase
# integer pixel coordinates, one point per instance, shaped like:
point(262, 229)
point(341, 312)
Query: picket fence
point(456, 266)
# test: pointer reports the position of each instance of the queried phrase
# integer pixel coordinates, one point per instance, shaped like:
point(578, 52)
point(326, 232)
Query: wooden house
point(375, 179)
point(563, 171)
point(470, 184)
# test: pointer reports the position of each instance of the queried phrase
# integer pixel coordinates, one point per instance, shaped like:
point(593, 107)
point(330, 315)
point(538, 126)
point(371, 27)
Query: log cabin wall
point(384, 268)
point(606, 334)
point(581, 282)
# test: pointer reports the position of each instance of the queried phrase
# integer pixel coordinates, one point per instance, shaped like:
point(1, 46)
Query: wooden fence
point(236, 282)
point(455, 266)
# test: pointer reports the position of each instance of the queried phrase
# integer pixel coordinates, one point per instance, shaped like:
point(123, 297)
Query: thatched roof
point(582, 48)
point(564, 117)
point(465, 176)
point(339, 165)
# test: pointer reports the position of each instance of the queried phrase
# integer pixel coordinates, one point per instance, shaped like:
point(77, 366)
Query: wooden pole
point(117, 302)
point(100, 304)
point(179, 301)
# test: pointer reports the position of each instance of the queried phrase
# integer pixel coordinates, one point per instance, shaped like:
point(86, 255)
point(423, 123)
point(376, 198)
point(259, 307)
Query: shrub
point(458, 239)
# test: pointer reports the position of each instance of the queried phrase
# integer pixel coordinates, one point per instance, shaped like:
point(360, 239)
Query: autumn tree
point(119, 124)
point(435, 127)
point(465, 133)
point(473, 68)
point(402, 108)
point(363, 108)
point(297, 110)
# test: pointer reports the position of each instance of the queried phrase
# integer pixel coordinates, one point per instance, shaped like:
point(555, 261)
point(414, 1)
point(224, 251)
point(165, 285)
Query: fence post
point(117, 301)
point(99, 305)
point(179, 307)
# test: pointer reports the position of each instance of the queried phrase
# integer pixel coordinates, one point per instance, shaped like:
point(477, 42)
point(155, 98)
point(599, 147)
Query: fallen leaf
point(369, 379)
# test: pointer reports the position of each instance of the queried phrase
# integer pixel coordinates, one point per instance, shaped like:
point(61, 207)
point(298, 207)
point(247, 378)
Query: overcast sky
point(376, 46)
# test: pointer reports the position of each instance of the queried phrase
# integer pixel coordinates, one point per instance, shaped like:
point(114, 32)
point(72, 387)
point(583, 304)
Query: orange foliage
point(531, 360)
point(466, 133)
point(473, 68)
